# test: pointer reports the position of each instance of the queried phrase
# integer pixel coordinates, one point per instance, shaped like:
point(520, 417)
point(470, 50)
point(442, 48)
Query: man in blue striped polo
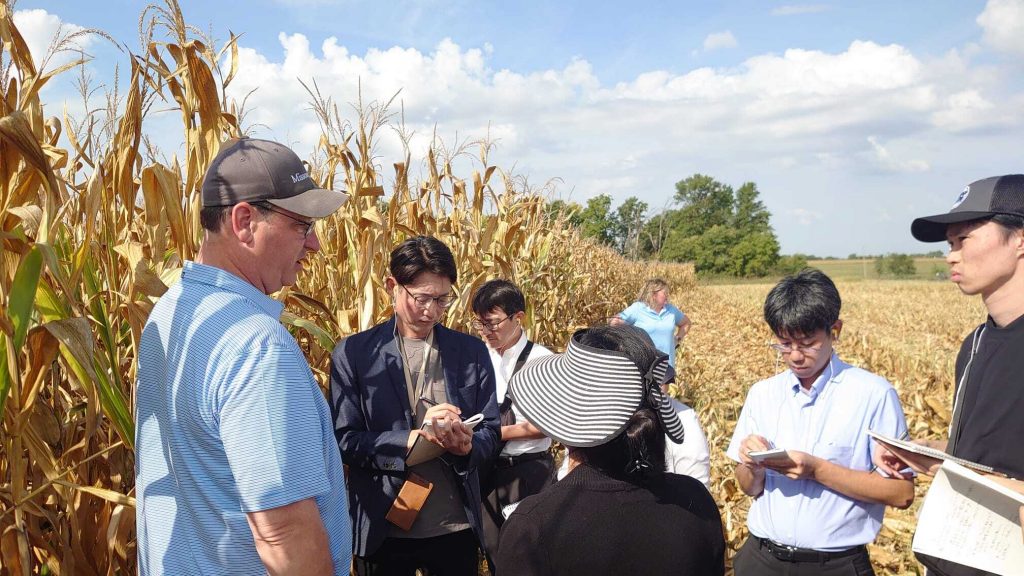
point(236, 470)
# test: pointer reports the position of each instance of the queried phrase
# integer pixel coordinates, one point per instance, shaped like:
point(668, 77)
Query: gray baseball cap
point(252, 170)
point(981, 199)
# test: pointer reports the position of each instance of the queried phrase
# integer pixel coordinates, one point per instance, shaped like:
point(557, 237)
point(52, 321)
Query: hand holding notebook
point(424, 448)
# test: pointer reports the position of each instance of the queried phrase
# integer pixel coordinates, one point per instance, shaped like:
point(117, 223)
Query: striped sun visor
point(586, 396)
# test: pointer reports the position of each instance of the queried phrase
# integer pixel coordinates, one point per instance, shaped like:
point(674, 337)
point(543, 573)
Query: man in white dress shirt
point(522, 464)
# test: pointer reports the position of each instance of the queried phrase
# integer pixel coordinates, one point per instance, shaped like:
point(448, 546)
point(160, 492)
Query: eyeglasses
point(307, 223)
point(423, 301)
point(488, 326)
point(788, 349)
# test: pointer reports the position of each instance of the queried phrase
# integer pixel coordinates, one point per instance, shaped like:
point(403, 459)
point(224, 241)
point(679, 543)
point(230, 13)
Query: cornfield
point(96, 223)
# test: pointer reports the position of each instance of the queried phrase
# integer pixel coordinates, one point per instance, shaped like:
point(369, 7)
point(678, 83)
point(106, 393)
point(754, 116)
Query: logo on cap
point(960, 199)
point(299, 177)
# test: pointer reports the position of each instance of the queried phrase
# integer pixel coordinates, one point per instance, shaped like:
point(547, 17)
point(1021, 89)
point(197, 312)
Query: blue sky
point(851, 117)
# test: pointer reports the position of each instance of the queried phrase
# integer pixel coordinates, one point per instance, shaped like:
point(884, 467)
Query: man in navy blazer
point(386, 382)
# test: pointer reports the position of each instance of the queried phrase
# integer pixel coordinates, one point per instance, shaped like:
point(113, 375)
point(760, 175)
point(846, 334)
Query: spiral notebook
point(929, 452)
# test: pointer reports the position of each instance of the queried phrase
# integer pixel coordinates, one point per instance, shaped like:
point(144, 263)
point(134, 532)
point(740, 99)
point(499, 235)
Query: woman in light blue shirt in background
point(652, 312)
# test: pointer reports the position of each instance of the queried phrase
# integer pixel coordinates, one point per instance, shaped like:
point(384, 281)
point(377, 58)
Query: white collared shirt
point(504, 364)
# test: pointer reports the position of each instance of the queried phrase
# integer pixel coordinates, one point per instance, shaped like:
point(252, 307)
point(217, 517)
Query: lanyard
point(961, 393)
point(415, 389)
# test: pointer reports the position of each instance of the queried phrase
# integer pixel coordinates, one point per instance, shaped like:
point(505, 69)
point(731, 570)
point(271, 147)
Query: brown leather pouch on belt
point(410, 501)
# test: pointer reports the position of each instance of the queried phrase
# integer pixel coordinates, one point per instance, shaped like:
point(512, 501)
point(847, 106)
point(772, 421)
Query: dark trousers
point(508, 482)
point(452, 554)
point(755, 560)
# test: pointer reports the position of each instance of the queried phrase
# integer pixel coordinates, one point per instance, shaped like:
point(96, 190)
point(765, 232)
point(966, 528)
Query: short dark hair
point(643, 438)
point(422, 254)
point(802, 303)
point(1009, 224)
point(211, 217)
point(499, 293)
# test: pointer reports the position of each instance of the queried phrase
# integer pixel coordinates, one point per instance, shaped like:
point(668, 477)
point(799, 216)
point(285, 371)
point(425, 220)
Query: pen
point(427, 401)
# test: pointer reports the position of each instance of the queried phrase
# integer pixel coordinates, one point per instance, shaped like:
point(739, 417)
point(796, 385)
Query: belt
point(503, 461)
point(794, 554)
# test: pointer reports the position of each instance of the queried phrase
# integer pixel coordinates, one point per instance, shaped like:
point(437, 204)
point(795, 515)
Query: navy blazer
point(372, 420)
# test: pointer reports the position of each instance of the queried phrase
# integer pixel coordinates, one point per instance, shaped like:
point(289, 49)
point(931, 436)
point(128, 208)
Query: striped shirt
point(229, 420)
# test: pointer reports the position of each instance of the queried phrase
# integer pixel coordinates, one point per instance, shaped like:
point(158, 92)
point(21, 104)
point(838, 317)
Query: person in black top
point(985, 232)
point(617, 511)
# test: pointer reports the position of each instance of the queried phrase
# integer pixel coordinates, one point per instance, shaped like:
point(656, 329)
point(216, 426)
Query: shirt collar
point(664, 309)
point(514, 351)
point(833, 372)
point(224, 280)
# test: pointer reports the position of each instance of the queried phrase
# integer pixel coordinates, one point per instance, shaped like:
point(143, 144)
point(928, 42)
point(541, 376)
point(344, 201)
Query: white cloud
point(804, 216)
point(39, 28)
point(964, 111)
point(796, 9)
point(860, 109)
point(887, 161)
point(719, 40)
point(1002, 23)
point(836, 127)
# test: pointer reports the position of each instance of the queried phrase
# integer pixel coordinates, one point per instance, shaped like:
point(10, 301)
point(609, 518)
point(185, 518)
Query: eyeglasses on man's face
point(805, 349)
point(482, 325)
point(307, 223)
point(423, 300)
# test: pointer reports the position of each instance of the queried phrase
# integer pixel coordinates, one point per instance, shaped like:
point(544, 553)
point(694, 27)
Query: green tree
point(901, 265)
point(751, 215)
point(710, 252)
point(570, 210)
point(720, 231)
point(656, 231)
point(597, 221)
point(791, 264)
point(754, 254)
point(629, 221)
point(705, 203)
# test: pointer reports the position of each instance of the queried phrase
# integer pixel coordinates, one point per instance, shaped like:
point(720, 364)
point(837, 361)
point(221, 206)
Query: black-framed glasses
point(488, 326)
point(808, 350)
point(424, 301)
point(307, 223)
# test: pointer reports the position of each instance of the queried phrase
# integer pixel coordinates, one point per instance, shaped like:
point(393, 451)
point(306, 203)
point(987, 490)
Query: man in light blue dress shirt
point(817, 504)
point(236, 468)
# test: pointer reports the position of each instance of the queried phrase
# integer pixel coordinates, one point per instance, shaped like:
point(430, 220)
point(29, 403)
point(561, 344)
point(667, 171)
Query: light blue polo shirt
point(229, 420)
point(661, 326)
point(830, 422)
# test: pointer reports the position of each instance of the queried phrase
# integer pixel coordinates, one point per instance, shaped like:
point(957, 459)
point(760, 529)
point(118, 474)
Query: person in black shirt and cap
point(985, 232)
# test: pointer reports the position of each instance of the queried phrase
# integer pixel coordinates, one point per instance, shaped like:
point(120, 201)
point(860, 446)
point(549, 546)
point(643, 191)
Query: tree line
point(723, 231)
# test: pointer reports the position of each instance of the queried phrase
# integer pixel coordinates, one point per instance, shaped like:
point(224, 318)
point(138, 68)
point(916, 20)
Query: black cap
point(252, 170)
point(981, 199)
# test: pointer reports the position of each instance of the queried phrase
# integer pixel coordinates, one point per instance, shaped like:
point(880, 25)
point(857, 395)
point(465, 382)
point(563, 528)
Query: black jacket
point(372, 420)
point(590, 523)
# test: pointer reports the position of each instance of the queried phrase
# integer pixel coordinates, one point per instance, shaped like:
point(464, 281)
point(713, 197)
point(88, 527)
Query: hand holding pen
point(446, 427)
